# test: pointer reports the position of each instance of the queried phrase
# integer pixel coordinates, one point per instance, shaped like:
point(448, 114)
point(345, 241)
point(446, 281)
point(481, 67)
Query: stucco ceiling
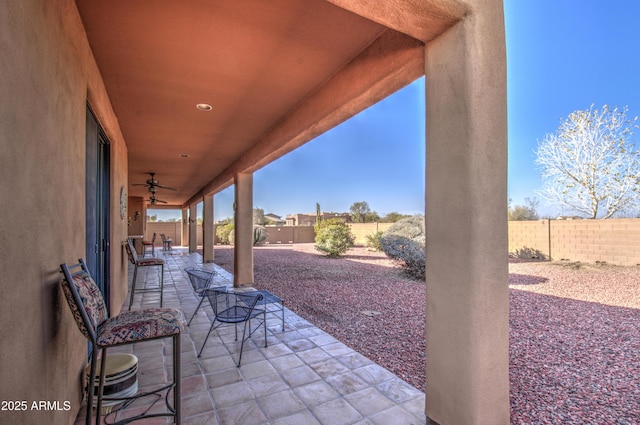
point(254, 61)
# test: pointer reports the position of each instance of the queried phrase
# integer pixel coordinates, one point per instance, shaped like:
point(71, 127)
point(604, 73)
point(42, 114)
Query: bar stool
point(143, 262)
point(130, 327)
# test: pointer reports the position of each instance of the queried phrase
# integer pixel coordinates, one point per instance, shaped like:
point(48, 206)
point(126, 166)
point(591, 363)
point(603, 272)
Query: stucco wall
point(46, 76)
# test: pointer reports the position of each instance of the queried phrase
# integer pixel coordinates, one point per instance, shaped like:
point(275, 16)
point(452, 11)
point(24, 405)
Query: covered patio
point(304, 376)
point(98, 95)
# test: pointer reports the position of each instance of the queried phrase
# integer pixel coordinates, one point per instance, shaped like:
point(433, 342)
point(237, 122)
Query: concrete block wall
point(362, 230)
point(170, 230)
point(529, 239)
point(290, 234)
point(306, 234)
point(614, 241)
point(277, 234)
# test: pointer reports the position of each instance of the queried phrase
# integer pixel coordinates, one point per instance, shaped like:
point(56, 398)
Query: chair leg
point(133, 285)
point(244, 331)
point(264, 324)
point(197, 308)
point(282, 312)
point(213, 326)
point(176, 377)
point(90, 385)
point(161, 283)
point(103, 366)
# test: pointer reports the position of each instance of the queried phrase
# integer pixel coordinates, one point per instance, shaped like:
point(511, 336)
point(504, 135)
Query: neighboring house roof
point(275, 218)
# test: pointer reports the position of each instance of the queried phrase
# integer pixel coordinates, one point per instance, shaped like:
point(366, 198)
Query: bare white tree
point(590, 164)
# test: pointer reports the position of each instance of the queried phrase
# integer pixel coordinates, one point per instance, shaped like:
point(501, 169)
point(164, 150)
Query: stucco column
point(207, 230)
point(193, 228)
point(243, 245)
point(466, 228)
point(184, 229)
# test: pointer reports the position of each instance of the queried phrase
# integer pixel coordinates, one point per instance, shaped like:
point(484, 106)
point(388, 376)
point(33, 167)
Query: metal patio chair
point(201, 280)
point(240, 308)
point(166, 242)
point(151, 244)
point(143, 262)
point(130, 327)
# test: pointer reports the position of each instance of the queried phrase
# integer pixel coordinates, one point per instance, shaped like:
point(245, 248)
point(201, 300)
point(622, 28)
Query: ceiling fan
point(153, 184)
point(153, 200)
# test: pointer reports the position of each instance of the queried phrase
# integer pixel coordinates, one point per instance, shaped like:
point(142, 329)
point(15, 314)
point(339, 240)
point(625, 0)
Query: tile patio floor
point(303, 377)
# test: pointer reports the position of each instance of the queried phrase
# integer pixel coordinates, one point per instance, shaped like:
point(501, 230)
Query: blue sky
point(562, 56)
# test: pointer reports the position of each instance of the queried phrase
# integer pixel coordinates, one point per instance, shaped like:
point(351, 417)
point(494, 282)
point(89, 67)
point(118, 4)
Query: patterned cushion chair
point(143, 262)
point(90, 313)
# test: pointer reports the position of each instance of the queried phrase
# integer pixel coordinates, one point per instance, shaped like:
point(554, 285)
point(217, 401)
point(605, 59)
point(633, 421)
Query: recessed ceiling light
point(204, 106)
point(184, 155)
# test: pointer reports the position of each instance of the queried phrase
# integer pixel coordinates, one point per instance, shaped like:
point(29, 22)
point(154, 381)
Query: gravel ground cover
point(575, 344)
point(574, 328)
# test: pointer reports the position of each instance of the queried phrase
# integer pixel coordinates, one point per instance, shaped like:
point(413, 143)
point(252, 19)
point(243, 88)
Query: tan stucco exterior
point(47, 74)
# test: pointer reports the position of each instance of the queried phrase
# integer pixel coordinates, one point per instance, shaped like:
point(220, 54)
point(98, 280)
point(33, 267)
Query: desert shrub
point(333, 237)
point(374, 240)
point(224, 232)
point(227, 236)
point(528, 253)
point(329, 222)
point(260, 234)
point(404, 242)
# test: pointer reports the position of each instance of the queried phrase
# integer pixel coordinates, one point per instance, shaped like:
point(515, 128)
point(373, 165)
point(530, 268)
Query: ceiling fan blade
point(152, 183)
point(153, 200)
